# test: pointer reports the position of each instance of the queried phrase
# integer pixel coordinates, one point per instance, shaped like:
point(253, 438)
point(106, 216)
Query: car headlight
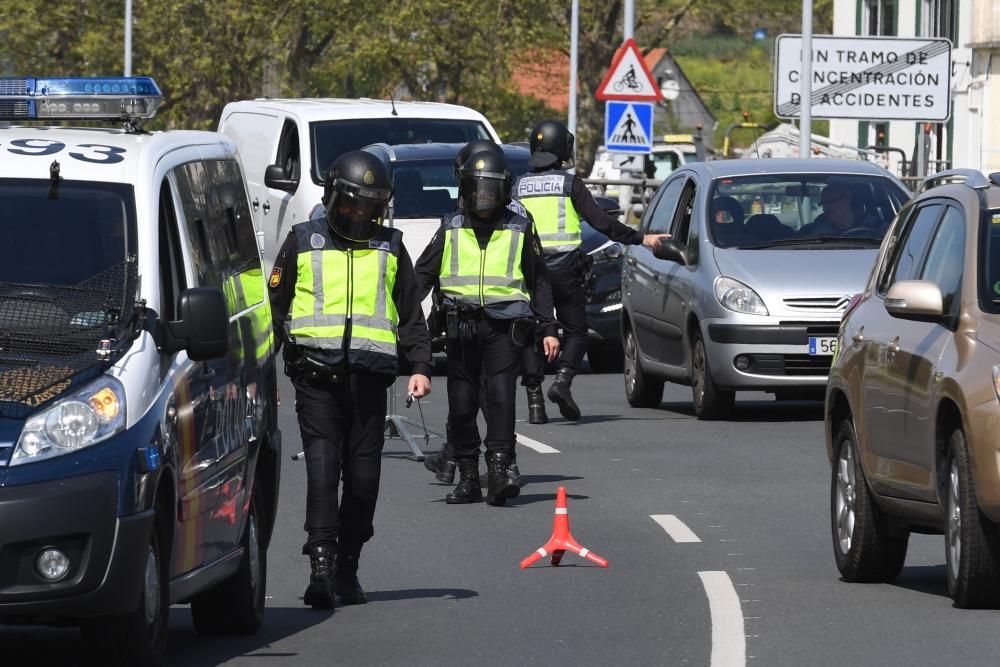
point(610, 252)
point(80, 420)
point(739, 298)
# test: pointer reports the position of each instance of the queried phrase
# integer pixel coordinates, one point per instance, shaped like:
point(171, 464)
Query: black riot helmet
point(359, 194)
point(484, 183)
point(474, 146)
point(551, 144)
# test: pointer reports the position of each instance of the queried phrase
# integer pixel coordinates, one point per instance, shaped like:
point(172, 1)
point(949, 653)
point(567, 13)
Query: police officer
point(344, 298)
point(557, 201)
point(442, 462)
point(486, 263)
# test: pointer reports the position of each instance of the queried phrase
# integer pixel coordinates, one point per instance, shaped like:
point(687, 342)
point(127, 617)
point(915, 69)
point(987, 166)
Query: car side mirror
point(670, 251)
point(202, 327)
point(275, 177)
point(915, 300)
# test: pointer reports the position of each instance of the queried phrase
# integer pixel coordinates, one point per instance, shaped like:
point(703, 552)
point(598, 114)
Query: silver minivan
point(749, 292)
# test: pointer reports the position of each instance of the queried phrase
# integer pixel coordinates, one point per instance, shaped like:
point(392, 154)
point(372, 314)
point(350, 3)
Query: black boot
point(559, 394)
point(442, 464)
point(345, 581)
point(468, 489)
point(319, 594)
point(499, 485)
point(536, 405)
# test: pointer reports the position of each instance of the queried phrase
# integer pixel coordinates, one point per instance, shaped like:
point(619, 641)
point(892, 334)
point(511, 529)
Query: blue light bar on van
point(81, 98)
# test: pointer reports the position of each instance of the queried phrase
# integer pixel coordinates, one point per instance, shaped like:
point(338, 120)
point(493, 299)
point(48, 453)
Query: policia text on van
point(139, 449)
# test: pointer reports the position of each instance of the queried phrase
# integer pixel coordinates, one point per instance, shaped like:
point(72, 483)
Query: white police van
point(287, 145)
point(139, 448)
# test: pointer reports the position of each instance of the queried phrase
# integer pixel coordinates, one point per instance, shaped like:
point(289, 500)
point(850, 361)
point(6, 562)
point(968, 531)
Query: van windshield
point(428, 188)
point(65, 235)
point(789, 210)
point(331, 139)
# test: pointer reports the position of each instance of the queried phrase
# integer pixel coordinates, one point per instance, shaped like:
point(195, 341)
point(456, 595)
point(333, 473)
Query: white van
point(139, 443)
point(287, 145)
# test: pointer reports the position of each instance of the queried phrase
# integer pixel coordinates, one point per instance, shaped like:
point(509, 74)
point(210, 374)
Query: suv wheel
point(710, 402)
point(641, 390)
point(971, 540)
point(863, 546)
point(236, 606)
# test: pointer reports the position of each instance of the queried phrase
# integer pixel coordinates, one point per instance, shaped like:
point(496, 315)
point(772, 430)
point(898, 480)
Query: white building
point(971, 137)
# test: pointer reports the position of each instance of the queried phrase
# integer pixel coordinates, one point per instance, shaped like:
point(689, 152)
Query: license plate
point(825, 346)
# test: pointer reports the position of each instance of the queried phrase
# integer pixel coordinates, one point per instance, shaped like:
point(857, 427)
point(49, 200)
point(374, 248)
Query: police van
point(287, 145)
point(139, 447)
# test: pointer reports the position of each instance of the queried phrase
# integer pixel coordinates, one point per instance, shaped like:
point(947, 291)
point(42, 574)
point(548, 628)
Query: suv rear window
point(331, 139)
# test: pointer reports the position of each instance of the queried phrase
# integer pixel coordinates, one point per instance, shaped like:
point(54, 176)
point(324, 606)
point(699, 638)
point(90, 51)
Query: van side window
point(289, 156)
point(172, 280)
point(207, 244)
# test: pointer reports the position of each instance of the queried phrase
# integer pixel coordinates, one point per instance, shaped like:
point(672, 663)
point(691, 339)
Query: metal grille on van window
point(13, 87)
point(818, 303)
point(13, 107)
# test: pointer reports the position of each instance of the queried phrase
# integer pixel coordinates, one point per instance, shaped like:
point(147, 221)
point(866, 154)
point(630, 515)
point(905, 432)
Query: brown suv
point(913, 401)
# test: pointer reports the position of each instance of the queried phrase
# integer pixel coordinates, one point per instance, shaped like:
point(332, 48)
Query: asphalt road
point(717, 535)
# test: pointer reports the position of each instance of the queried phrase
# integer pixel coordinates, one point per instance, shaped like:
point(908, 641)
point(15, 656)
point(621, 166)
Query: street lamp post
point(805, 90)
point(128, 37)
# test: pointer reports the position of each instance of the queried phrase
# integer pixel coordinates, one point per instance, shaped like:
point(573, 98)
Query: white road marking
point(675, 528)
point(539, 447)
point(729, 644)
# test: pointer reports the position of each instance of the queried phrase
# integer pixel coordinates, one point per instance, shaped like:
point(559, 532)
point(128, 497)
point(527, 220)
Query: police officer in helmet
point(486, 263)
point(558, 201)
point(344, 298)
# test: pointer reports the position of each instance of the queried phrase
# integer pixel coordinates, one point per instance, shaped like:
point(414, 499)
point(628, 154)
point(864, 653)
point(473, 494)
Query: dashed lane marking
point(729, 643)
point(539, 447)
point(675, 528)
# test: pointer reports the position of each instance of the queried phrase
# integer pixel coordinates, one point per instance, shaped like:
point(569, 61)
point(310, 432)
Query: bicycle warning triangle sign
point(629, 77)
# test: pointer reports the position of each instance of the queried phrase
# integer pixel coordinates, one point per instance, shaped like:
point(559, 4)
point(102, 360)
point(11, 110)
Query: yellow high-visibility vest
point(483, 277)
point(547, 196)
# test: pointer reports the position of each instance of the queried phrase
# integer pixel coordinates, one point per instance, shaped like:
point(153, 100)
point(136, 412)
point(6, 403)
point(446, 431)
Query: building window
point(879, 17)
point(938, 19)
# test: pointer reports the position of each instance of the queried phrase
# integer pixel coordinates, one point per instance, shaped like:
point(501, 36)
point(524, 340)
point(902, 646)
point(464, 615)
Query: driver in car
point(839, 215)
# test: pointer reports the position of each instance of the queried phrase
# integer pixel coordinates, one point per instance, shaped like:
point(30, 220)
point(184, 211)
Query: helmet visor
point(356, 217)
point(482, 195)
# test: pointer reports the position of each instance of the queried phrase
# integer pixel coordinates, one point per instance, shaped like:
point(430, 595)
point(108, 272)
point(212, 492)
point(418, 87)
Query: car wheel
point(863, 545)
point(605, 357)
point(971, 539)
point(236, 606)
point(710, 402)
point(641, 391)
point(139, 637)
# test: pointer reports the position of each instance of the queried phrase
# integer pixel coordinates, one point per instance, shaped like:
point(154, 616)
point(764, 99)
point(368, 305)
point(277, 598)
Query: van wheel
point(139, 637)
point(236, 606)
point(971, 540)
point(863, 546)
point(641, 391)
point(710, 402)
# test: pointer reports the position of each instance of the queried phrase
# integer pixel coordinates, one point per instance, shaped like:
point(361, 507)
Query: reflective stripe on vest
point(334, 286)
point(483, 277)
point(547, 197)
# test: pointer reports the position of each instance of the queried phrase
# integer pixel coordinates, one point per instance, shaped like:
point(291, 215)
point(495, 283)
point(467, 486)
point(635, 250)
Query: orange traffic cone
point(561, 540)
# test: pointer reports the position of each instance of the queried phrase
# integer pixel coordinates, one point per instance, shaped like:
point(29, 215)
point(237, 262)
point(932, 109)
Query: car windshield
point(428, 188)
point(801, 210)
point(331, 139)
point(63, 235)
point(990, 269)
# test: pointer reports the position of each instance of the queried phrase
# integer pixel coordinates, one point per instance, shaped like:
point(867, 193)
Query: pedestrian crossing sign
point(628, 127)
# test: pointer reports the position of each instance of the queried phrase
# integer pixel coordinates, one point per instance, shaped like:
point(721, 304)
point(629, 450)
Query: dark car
point(604, 299)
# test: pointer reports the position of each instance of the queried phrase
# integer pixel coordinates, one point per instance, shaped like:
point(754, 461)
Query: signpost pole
point(805, 107)
point(574, 45)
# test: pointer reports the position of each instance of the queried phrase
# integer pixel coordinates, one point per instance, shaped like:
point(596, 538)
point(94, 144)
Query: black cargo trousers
point(569, 292)
point(489, 362)
point(343, 431)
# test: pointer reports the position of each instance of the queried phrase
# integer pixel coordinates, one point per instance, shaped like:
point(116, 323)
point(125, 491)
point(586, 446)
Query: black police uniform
point(486, 349)
point(340, 396)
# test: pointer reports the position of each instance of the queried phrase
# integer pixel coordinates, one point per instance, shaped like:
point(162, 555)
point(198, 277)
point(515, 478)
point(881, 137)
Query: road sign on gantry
point(869, 78)
point(629, 78)
point(628, 127)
